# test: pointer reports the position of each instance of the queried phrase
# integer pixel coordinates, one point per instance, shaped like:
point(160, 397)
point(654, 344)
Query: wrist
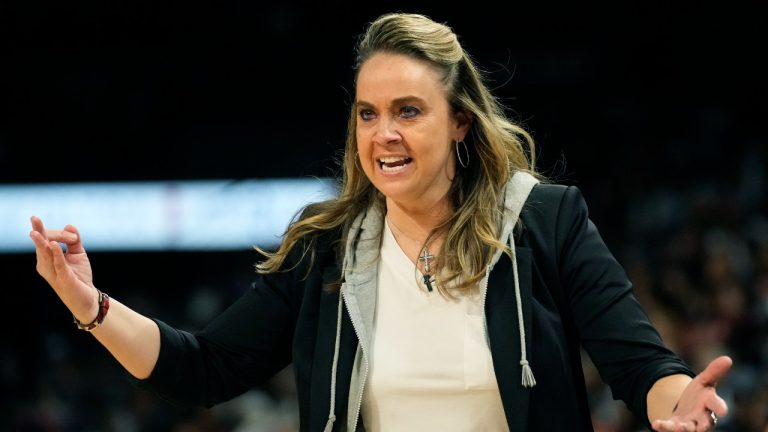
point(664, 396)
point(102, 307)
point(86, 311)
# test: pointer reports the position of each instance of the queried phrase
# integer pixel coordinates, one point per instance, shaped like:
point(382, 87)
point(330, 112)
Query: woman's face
point(406, 130)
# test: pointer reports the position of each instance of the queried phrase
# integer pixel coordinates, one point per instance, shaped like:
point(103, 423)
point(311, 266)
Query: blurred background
point(657, 111)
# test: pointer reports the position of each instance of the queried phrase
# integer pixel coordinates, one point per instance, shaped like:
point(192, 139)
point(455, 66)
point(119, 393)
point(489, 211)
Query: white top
point(431, 368)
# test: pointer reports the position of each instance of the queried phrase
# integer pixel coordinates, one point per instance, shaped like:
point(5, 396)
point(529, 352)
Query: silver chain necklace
point(425, 257)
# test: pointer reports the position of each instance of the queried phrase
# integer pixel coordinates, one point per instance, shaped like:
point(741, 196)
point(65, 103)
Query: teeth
point(394, 163)
point(393, 169)
point(391, 159)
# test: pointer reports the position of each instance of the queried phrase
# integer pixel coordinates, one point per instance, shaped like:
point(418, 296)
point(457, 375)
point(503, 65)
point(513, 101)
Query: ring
point(714, 417)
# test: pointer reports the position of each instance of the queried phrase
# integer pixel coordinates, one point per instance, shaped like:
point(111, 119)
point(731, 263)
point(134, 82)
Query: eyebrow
point(398, 101)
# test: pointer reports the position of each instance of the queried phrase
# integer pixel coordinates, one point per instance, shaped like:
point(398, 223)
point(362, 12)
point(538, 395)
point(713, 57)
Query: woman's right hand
point(68, 273)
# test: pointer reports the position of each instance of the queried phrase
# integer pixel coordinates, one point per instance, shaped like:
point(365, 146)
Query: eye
point(409, 111)
point(366, 114)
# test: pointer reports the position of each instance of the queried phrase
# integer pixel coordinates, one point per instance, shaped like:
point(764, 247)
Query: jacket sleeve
point(614, 329)
point(244, 346)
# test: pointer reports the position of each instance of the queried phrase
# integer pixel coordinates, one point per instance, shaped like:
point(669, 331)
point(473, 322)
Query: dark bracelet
point(103, 309)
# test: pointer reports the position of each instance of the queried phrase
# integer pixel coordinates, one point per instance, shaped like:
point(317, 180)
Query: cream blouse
point(431, 368)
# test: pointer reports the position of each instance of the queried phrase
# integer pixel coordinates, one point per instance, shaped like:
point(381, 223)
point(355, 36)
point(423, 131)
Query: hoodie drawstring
point(331, 414)
point(528, 380)
point(515, 196)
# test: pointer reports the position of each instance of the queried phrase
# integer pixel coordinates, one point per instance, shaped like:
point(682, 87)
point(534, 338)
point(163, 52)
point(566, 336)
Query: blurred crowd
point(698, 258)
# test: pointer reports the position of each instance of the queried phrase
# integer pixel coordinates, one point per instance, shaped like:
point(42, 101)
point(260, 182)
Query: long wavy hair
point(497, 146)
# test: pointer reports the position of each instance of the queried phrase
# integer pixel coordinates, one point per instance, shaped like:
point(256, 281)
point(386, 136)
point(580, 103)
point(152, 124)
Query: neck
point(418, 222)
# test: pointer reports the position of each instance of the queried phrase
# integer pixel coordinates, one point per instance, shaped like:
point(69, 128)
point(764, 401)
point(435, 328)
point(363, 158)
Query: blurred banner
point(154, 216)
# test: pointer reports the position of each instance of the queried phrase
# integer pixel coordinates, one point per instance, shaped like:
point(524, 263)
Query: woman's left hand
point(699, 405)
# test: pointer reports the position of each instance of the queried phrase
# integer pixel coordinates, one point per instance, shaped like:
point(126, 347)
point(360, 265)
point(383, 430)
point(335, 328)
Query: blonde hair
point(497, 147)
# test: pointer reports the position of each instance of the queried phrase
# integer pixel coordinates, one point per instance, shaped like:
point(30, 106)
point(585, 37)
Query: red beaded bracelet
point(103, 309)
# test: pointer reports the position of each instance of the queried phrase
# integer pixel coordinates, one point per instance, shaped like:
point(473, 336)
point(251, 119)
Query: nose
point(386, 131)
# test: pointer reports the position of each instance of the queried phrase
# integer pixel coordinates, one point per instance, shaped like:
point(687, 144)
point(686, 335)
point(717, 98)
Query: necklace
point(424, 257)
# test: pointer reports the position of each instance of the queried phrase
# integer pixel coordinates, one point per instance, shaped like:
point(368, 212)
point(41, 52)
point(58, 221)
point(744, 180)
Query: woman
point(444, 289)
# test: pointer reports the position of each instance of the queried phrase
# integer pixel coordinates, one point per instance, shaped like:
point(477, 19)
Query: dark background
point(656, 111)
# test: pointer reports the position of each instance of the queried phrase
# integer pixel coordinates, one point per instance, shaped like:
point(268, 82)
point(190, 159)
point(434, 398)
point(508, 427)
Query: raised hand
point(699, 405)
point(68, 273)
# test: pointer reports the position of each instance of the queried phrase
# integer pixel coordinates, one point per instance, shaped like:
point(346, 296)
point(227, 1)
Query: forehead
point(390, 76)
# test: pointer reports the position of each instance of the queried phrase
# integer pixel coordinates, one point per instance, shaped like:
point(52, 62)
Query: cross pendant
point(425, 258)
point(428, 282)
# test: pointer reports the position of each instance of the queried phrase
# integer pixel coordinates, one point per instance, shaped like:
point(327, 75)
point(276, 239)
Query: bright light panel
point(155, 216)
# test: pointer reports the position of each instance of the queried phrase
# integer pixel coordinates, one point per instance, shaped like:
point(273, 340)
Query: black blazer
point(574, 294)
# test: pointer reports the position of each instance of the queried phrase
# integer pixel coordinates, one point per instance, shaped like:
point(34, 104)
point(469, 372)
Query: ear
point(463, 123)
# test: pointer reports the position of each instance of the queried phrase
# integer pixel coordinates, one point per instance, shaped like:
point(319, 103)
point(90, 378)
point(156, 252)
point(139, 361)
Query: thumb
point(715, 370)
point(77, 245)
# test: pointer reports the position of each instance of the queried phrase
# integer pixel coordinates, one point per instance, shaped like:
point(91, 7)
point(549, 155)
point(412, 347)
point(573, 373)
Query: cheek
point(362, 140)
point(364, 156)
point(363, 148)
point(442, 154)
point(444, 161)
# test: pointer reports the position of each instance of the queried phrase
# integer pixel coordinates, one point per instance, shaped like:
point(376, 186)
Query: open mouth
point(393, 164)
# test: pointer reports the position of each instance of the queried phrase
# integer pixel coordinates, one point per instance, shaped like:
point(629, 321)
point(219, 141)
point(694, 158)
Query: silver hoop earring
point(458, 154)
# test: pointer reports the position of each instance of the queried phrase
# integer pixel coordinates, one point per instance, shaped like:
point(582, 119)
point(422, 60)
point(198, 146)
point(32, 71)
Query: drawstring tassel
point(329, 425)
point(528, 379)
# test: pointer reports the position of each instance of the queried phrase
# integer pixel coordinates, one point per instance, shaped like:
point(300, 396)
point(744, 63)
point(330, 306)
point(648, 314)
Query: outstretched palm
point(699, 405)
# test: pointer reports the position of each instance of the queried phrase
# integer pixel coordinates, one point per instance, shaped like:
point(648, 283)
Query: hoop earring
point(458, 154)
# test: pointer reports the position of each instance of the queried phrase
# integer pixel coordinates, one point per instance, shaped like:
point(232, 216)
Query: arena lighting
point(160, 216)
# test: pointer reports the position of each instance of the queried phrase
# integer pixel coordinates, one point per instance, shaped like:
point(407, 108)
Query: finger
point(62, 236)
point(41, 243)
point(661, 425)
point(37, 225)
point(669, 426)
point(703, 425)
point(77, 245)
point(59, 262)
point(68, 236)
point(715, 370)
point(680, 426)
point(43, 254)
point(718, 406)
point(41, 248)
